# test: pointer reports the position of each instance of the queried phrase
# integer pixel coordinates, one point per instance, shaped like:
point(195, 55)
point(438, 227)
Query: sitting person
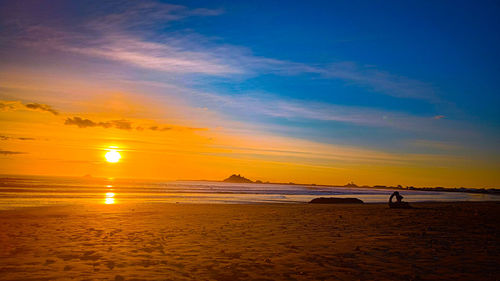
point(399, 201)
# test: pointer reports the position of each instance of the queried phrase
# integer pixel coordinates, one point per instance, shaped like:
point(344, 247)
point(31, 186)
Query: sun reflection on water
point(109, 198)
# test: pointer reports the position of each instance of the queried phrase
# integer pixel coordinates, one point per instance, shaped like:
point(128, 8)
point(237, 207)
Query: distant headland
point(237, 178)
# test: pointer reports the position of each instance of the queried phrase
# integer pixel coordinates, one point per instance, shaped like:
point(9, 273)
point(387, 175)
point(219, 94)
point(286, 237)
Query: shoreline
point(138, 201)
point(414, 205)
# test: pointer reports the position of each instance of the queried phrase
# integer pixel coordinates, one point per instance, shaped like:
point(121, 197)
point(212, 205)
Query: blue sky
point(451, 46)
point(395, 76)
point(445, 52)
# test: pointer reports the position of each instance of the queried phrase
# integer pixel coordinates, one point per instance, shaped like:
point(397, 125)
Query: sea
point(30, 191)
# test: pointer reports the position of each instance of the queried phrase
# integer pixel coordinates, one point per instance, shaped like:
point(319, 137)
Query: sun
point(112, 156)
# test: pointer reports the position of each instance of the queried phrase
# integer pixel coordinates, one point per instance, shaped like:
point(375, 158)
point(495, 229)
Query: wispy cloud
point(163, 128)
point(439, 145)
point(124, 124)
point(125, 36)
point(154, 55)
point(15, 138)
point(381, 81)
point(86, 123)
point(183, 56)
point(145, 14)
point(275, 106)
point(42, 107)
point(313, 153)
point(8, 152)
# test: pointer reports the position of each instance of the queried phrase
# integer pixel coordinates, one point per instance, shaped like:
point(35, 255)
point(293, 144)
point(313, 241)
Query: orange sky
point(39, 141)
point(193, 92)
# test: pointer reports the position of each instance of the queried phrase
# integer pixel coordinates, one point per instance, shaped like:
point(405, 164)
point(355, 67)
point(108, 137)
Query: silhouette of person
point(399, 201)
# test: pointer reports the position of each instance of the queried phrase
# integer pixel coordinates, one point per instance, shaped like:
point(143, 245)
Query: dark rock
point(325, 200)
point(238, 179)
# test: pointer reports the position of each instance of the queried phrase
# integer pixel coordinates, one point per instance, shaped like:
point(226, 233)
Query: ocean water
point(28, 191)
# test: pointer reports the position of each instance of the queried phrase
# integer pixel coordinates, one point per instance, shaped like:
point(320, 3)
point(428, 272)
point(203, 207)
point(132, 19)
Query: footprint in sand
point(49, 261)
point(90, 255)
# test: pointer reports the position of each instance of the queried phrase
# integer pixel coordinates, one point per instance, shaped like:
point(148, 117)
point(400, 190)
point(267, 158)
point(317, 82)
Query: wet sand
point(438, 241)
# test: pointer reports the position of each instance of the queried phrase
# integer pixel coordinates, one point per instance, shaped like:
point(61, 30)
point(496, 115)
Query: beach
point(164, 241)
point(249, 140)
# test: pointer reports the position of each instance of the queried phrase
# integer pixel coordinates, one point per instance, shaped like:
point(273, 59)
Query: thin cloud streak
point(8, 152)
point(291, 150)
point(123, 124)
point(17, 105)
point(381, 81)
point(272, 106)
point(42, 107)
point(86, 123)
point(156, 56)
point(14, 138)
point(182, 56)
point(146, 14)
point(250, 109)
point(439, 145)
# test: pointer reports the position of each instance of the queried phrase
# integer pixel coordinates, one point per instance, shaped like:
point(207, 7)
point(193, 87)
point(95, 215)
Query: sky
point(326, 92)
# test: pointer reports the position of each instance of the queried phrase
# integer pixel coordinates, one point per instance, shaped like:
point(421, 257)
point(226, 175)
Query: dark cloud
point(42, 107)
point(13, 138)
point(189, 129)
point(122, 124)
point(85, 123)
point(160, 129)
point(81, 123)
point(8, 152)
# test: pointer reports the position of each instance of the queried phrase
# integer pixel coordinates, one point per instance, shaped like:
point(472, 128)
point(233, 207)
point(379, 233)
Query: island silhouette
point(238, 179)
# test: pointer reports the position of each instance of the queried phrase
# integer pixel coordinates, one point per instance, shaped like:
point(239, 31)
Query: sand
point(442, 241)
